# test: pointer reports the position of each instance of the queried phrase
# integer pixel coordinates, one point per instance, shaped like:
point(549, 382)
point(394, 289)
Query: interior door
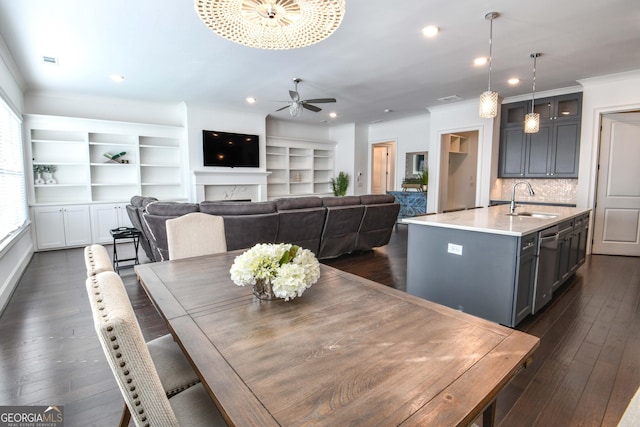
point(380, 169)
point(616, 228)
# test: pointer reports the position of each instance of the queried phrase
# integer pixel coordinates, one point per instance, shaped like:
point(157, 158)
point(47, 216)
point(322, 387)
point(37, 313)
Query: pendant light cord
point(490, 49)
point(533, 94)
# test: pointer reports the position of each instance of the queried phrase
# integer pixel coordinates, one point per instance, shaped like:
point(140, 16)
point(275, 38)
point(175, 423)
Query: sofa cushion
point(340, 230)
point(341, 201)
point(245, 231)
point(171, 209)
point(376, 199)
point(136, 201)
point(302, 227)
point(298, 203)
point(237, 208)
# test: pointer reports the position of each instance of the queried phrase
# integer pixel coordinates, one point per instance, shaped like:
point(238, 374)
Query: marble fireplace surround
point(235, 185)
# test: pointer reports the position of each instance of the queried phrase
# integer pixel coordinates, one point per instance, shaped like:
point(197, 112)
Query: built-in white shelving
point(298, 167)
point(152, 165)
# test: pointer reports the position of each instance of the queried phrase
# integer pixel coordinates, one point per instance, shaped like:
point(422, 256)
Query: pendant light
point(489, 99)
point(532, 120)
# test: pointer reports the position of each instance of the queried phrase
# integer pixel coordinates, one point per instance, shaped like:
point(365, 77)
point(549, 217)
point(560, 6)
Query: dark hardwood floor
point(584, 373)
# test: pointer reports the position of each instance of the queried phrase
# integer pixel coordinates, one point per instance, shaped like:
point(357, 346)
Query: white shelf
point(298, 168)
point(76, 147)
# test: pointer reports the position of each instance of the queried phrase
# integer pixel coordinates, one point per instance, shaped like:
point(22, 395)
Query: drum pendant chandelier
point(272, 24)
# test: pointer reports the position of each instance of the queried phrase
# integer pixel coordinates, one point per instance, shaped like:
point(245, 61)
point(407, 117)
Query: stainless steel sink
point(534, 214)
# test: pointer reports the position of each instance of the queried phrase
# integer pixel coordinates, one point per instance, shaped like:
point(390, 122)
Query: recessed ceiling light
point(251, 100)
point(430, 31)
point(388, 110)
point(333, 114)
point(50, 60)
point(450, 98)
point(117, 77)
point(480, 61)
point(513, 81)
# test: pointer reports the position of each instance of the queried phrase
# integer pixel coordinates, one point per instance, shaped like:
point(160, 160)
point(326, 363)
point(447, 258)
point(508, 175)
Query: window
point(13, 197)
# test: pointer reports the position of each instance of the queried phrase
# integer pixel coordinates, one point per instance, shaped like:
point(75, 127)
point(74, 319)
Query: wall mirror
point(415, 163)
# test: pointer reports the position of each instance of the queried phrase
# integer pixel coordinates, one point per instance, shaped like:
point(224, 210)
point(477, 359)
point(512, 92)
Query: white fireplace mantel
point(231, 185)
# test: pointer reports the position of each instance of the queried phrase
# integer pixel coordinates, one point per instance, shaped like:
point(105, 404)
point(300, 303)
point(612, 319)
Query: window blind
point(13, 195)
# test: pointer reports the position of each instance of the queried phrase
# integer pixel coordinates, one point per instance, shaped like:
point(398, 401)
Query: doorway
point(616, 225)
point(458, 171)
point(383, 160)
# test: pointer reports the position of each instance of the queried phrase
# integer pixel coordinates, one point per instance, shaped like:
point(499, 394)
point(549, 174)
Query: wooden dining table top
point(348, 352)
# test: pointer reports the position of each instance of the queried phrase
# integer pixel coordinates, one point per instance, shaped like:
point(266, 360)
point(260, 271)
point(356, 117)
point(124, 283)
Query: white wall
point(410, 134)
point(103, 108)
point(456, 118)
point(16, 253)
point(345, 154)
point(202, 117)
point(361, 167)
point(601, 95)
point(293, 129)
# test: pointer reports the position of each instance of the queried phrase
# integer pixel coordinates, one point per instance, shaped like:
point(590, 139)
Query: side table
point(125, 233)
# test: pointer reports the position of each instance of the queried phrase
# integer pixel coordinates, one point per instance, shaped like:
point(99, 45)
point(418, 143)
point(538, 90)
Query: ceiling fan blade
point(311, 107)
point(320, 100)
point(295, 96)
point(280, 109)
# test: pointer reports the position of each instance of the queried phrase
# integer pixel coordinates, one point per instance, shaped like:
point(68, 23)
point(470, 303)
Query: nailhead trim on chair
point(115, 347)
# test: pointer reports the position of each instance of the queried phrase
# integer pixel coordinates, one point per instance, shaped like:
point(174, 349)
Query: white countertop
point(495, 219)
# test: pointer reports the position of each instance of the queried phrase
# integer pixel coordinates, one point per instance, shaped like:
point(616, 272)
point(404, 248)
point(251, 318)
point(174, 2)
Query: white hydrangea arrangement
point(289, 268)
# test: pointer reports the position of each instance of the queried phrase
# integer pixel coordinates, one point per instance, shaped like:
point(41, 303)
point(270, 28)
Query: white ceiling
point(377, 59)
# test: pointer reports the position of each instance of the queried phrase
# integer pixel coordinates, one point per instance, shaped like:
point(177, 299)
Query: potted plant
point(423, 177)
point(340, 184)
point(38, 170)
point(48, 171)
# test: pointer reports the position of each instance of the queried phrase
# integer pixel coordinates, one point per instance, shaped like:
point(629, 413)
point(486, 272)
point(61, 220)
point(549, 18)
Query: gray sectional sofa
point(328, 226)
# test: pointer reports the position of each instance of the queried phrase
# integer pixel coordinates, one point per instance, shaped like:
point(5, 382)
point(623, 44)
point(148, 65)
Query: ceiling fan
point(296, 104)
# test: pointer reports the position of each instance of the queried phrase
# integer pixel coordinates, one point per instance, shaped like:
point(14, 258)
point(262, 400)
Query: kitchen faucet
point(512, 208)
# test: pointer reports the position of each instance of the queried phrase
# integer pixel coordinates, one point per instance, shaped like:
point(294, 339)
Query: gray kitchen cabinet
point(579, 242)
point(503, 269)
point(526, 283)
point(565, 239)
point(553, 151)
point(493, 277)
point(512, 152)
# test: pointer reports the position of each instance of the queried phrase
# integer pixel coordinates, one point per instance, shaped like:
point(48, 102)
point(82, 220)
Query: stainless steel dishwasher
point(547, 266)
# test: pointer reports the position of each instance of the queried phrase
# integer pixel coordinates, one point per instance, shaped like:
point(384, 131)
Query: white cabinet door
point(107, 217)
point(77, 225)
point(49, 227)
point(62, 226)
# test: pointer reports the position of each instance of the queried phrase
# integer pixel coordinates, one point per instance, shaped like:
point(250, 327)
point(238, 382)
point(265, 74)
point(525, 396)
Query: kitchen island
point(494, 265)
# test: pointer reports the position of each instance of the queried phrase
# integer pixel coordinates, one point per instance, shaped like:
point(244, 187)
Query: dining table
point(347, 352)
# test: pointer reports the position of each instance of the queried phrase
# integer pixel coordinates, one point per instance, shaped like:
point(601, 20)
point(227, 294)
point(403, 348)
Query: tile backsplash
point(547, 190)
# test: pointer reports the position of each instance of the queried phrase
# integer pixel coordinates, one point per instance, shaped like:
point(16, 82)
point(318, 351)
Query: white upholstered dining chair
point(195, 234)
point(142, 379)
point(97, 260)
point(175, 371)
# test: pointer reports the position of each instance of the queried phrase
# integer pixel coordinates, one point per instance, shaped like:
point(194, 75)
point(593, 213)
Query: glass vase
point(263, 290)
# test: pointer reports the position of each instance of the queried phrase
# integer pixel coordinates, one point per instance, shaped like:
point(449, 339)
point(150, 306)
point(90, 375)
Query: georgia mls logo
point(31, 416)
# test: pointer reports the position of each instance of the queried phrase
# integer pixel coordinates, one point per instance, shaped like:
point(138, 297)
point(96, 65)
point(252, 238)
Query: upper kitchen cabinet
point(550, 153)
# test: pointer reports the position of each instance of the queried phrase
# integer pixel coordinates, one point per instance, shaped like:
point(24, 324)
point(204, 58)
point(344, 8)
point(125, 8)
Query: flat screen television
point(230, 149)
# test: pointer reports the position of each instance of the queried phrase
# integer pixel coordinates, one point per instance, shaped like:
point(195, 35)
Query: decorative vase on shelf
point(263, 289)
point(49, 179)
point(38, 180)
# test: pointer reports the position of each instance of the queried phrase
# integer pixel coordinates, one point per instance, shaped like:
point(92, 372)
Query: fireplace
point(231, 186)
